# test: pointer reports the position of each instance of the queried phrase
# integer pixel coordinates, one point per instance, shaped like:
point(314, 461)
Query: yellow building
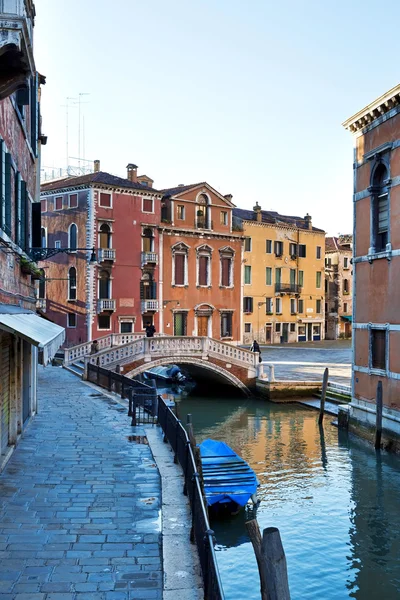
point(283, 277)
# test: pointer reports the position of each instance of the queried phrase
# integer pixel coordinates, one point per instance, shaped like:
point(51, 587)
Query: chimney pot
point(132, 172)
point(257, 210)
point(228, 197)
point(308, 221)
point(96, 166)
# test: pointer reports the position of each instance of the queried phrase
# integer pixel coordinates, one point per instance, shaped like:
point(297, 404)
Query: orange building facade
point(200, 289)
point(376, 263)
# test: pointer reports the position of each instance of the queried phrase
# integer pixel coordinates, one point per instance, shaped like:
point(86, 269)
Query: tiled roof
point(332, 245)
point(99, 177)
point(180, 188)
point(271, 216)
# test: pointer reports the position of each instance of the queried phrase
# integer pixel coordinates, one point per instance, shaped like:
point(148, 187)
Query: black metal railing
point(201, 533)
point(288, 288)
point(143, 398)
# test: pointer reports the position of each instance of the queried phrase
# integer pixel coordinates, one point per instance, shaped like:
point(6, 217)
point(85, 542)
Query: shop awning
point(347, 318)
point(47, 336)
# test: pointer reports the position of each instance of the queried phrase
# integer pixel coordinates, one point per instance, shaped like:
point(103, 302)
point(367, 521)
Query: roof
point(99, 177)
point(273, 217)
point(180, 188)
point(374, 110)
point(332, 244)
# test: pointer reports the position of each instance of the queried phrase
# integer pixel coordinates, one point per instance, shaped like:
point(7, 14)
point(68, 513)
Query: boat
point(170, 374)
point(229, 482)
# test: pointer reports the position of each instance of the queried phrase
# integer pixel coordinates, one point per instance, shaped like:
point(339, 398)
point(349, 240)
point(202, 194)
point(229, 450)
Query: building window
point(180, 212)
point(268, 246)
point(278, 306)
point(247, 274)
point(292, 278)
point(147, 240)
point(318, 306)
point(292, 327)
point(292, 306)
point(104, 285)
point(318, 252)
point(105, 236)
point(43, 206)
point(226, 259)
point(247, 304)
point(278, 248)
point(105, 200)
point(179, 264)
point(226, 324)
point(203, 212)
point(247, 244)
point(300, 306)
point(318, 279)
point(204, 266)
point(224, 217)
point(300, 278)
point(58, 203)
point(72, 284)
point(277, 327)
point(278, 276)
point(43, 237)
point(71, 320)
point(380, 209)
point(378, 349)
point(180, 323)
point(302, 250)
point(345, 286)
point(268, 276)
point(5, 189)
point(57, 244)
point(126, 327)
point(148, 287)
point(104, 322)
point(73, 237)
point(345, 307)
point(268, 306)
point(293, 250)
point(345, 262)
point(147, 205)
point(247, 327)
point(73, 200)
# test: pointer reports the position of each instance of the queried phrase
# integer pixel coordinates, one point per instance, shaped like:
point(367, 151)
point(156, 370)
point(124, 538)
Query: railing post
point(97, 374)
point(185, 491)
point(176, 441)
point(133, 409)
point(193, 500)
point(208, 540)
point(272, 373)
point(109, 381)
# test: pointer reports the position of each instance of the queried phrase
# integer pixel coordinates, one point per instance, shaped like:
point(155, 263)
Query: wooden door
point(202, 326)
point(268, 334)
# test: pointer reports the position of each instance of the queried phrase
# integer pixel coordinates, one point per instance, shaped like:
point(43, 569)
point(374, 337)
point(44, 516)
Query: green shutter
point(18, 210)
point(268, 276)
point(2, 184)
point(24, 236)
point(7, 193)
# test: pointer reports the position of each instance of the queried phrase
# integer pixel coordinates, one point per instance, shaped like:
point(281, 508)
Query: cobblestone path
point(79, 502)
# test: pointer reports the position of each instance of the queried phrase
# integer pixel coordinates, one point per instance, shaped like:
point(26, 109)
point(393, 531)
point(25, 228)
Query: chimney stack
point(257, 210)
point(228, 197)
point(308, 221)
point(132, 172)
point(96, 166)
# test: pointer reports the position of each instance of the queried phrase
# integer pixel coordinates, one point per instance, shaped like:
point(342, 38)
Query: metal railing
point(201, 532)
point(288, 288)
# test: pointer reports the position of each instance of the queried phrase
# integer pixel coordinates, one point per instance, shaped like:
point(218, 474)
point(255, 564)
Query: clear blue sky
point(249, 96)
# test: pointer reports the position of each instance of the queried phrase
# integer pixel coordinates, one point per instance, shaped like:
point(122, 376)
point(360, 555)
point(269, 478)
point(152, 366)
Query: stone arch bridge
point(203, 357)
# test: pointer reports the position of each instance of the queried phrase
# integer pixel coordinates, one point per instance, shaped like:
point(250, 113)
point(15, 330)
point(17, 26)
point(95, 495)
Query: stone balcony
point(16, 52)
point(149, 258)
point(106, 305)
point(106, 255)
point(149, 305)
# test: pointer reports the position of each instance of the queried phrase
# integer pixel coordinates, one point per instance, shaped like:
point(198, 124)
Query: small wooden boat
point(229, 482)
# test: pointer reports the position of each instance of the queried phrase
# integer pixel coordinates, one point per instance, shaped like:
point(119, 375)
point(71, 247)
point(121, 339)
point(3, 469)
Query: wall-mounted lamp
point(165, 302)
point(44, 253)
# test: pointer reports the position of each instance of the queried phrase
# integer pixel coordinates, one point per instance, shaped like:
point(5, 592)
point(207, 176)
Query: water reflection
point(334, 500)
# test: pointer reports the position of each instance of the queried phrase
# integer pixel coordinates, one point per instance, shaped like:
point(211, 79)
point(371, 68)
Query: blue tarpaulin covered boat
point(228, 480)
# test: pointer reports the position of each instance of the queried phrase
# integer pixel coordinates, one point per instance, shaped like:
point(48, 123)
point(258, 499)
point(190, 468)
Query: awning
point(347, 318)
point(47, 336)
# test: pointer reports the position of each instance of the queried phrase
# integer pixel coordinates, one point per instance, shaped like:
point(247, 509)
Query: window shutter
point(148, 205)
point(179, 269)
point(383, 214)
point(36, 234)
point(203, 265)
point(24, 216)
point(7, 191)
point(226, 264)
point(18, 208)
point(2, 184)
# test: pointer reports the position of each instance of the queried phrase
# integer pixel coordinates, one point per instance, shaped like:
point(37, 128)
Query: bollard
point(271, 373)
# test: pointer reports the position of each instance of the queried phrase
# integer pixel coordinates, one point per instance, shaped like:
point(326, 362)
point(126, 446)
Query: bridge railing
point(107, 341)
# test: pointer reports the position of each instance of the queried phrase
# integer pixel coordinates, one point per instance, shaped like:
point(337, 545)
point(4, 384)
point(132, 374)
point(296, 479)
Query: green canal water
point(335, 501)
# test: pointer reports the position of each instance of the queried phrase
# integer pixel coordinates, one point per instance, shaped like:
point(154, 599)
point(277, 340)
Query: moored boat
point(229, 482)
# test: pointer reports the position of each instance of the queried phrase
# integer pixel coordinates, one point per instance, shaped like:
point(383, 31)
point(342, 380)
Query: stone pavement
point(80, 502)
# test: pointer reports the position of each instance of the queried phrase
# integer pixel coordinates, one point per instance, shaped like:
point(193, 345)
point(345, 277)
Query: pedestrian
point(94, 348)
point(255, 347)
point(150, 330)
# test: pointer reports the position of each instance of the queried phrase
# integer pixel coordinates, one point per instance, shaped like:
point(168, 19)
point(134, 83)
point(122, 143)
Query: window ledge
point(382, 372)
point(376, 255)
point(229, 338)
point(72, 300)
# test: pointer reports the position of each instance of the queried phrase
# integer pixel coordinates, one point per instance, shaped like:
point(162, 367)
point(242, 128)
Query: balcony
point(149, 258)
point(203, 224)
point(287, 288)
point(106, 255)
point(41, 304)
point(106, 304)
point(16, 53)
point(149, 305)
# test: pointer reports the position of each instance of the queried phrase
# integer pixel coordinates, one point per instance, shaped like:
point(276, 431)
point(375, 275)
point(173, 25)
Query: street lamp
point(38, 254)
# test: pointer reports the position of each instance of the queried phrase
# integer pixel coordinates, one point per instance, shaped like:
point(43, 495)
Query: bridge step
point(77, 368)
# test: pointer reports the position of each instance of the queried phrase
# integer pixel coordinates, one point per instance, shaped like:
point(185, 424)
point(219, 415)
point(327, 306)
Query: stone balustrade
point(108, 341)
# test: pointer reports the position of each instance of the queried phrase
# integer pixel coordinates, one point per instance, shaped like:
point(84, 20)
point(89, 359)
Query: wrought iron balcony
point(106, 304)
point(16, 53)
point(105, 254)
point(287, 288)
point(149, 305)
point(149, 258)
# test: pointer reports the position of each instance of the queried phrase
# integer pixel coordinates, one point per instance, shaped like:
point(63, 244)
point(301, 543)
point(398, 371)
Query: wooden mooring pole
point(379, 406)
point(323, 395)
point(271, 561)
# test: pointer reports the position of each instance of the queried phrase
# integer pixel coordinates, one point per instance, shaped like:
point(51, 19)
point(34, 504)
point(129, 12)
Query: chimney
point(228, 197)
point(132, 172)
point(308, 221)
point(96, 166)
point(257, 210)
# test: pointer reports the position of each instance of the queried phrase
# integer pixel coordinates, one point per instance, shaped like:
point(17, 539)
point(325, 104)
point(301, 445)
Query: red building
point(105, 280)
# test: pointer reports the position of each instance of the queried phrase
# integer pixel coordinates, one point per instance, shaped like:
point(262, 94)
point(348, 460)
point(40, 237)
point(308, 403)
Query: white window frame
point(272, 246)
point(57, 244)
point(75, 287)
point(148, 212)
point(55, 203)
point(185, 266)
point(207, 254)
point(77, 200)
point(111, 201)
point(251, 243)
point(278, 306)
point(373, 327)
point(244, 275)
point(45, 235)
point(69, 237)
point(293, 302)
point(76, 319)
point(224, 217)
point(226, 253)
point(250, 327)
point(130, 320)
point(183, 217)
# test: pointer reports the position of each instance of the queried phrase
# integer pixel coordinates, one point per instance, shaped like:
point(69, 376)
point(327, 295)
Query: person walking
point(150, 330)
point(255, 347)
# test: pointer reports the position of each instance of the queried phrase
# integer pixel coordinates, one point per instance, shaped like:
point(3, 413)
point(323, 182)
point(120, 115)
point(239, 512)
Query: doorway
point(180, 323)
point(309, 332)
point(268, 334)
point(285, 332)
point(202, 326)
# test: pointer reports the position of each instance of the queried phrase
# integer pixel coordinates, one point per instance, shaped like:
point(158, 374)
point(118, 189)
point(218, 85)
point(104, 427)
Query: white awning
point(47, 336)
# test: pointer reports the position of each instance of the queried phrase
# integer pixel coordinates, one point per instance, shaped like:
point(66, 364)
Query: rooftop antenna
point(79, 123)
point(67, 107)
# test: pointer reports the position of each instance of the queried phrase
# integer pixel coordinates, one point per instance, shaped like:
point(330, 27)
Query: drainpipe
point(160, 281)
point(240, 341)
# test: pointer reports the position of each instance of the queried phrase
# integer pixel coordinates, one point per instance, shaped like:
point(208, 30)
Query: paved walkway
point(79, 502)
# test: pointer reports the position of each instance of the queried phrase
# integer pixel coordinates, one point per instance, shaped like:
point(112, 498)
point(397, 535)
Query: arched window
point(148, 240)
point(105, 236)
point(72, 284)
point(380, 208)
point(73, 237)
point(204, 266)
point(104, 285)
point(43, 237)
point(203, 212)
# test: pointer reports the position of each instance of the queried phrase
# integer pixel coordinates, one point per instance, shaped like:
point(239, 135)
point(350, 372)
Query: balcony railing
point(106, 304)
point(149, 258)
point(16, 54)
point(106, 254)
point(149, 305)
point(41, 304)
point(287, 288)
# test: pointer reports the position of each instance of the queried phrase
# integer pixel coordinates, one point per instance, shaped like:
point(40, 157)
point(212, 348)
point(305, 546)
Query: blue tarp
point(227, 477)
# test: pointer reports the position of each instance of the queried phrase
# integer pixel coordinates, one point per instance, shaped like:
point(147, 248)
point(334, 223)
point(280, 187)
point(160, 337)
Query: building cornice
point(374, 110)
point(101, 186)
point(281, 226)
point(196, 234)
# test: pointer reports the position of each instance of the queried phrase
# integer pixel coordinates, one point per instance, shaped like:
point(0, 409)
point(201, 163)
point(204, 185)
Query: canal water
point(335, 501)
